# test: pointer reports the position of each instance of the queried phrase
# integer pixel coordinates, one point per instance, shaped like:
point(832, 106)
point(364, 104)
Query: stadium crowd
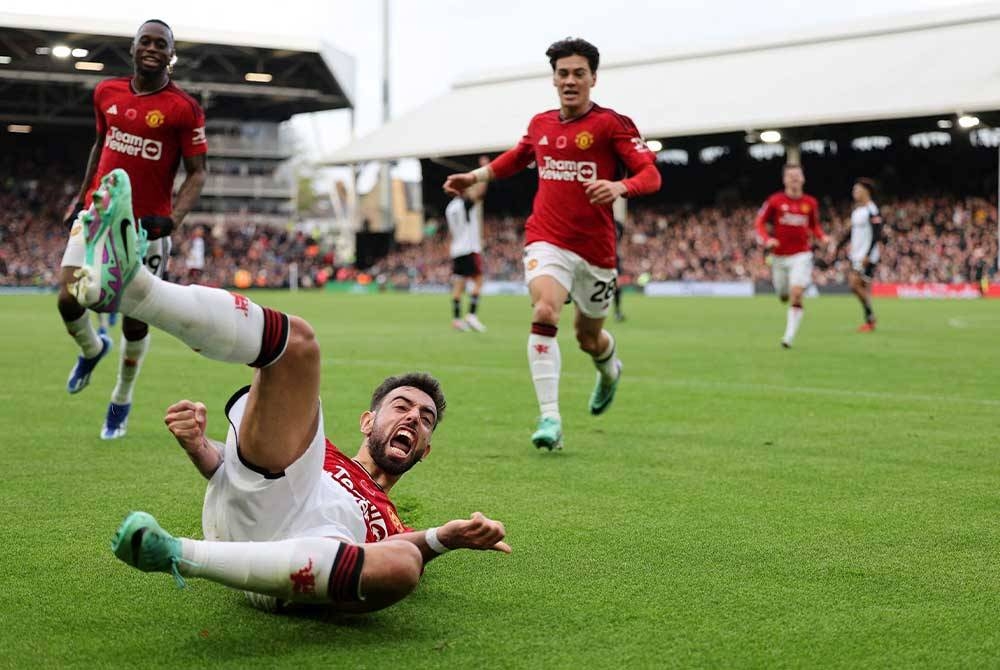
point(929, 239)
point(940, 239)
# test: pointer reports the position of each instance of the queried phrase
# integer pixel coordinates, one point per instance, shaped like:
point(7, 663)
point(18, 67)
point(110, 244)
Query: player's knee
point(392, 572)
point(302, 342)
point(134, 330)
point(69, 308)
point(544, 312)
point(410, 566)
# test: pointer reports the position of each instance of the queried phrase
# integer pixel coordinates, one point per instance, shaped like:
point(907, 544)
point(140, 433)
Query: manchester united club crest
point(805, 208)
point(584, 140)
point(155, 118)
point(532, 264)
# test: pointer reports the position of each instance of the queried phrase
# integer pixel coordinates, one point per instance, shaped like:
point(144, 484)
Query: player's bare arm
point(189, 191)
point(187, 422)
point(477, 532)
point(76, 206)
point(456, 184)
point(477, 192)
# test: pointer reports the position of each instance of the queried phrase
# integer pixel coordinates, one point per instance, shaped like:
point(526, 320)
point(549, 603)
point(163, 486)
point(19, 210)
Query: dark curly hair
point(418, 380)
point(574, 46)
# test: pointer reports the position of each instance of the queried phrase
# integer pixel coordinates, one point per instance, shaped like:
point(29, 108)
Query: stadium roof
point(902, 67)
point(307, 75)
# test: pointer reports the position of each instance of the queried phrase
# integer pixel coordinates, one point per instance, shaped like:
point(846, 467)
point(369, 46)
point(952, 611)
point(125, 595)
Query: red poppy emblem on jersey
point(130, 114)
point(584, 140)
point(542, 348)
point(561, 142)
point(155, 118)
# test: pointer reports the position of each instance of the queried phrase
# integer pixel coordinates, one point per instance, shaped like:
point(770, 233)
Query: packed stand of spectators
point(245, 255)
point(430, 263)
point(32, 236)
point(939, 239)
point(931, 239)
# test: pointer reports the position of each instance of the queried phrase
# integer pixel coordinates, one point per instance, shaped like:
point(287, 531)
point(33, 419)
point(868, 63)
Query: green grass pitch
point(740, 505)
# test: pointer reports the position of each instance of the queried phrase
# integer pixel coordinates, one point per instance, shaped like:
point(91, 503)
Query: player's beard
point(378, 442)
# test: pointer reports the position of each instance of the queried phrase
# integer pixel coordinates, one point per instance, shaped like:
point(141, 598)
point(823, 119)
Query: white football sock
point(298, 569)
point(218, 324)
point(545, 362)
point(129, 364)
point(792, 324)
point(82, 331)
point(607, 361)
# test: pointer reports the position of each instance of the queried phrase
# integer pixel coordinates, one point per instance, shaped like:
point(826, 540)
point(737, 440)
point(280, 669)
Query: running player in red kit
point(145, 125)
point(580, 150)
point(792, 216)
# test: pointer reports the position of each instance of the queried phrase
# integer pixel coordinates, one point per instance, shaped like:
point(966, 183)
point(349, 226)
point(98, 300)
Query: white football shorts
point(589, 286)
point(793, 270)
point(245, 505)
point(157, 254)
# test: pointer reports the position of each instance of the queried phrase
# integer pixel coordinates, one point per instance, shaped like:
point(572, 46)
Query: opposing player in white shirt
point(465, 226)
point(865, 236)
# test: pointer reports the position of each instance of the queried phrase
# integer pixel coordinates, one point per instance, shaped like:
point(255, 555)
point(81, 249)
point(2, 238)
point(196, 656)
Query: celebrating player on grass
point(277, 524)
point(580, 150)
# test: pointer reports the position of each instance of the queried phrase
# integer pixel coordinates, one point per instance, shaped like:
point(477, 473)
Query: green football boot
point(115, 245)
point(548, 434)
point(603, 394)
point(141, 543)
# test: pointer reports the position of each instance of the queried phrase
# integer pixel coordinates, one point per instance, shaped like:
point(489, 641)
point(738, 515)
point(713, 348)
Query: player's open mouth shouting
point(403, 440)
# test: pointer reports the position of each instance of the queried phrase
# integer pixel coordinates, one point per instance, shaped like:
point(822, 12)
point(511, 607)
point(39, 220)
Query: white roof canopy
point(921, 65)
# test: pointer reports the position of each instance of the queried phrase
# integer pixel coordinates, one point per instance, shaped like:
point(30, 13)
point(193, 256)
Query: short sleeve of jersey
point(192, 133)
point(628, 144)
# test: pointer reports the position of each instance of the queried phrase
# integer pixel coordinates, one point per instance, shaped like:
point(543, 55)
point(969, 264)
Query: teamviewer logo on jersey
point(586, 171)
point(152, 149)
point(564, 170)
point(133, 145)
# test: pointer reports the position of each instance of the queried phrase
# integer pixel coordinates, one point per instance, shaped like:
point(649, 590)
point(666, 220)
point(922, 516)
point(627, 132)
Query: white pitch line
point(733, 387)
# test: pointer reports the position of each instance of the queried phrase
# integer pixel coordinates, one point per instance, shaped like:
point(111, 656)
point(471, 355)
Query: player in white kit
point(865, 238)
point(465, 227)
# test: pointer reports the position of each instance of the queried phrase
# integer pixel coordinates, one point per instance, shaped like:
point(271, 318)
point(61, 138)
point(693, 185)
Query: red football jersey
point(381, 518)
point(146, 134)
point(792, 219)
point(570, 155)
